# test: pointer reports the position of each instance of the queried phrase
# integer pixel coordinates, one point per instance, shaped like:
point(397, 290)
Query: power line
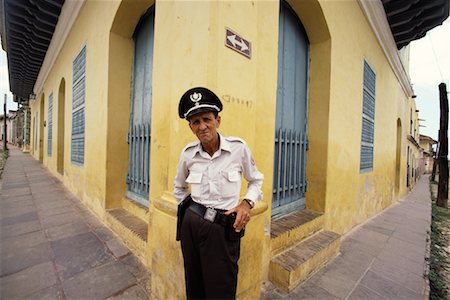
point(435, 57)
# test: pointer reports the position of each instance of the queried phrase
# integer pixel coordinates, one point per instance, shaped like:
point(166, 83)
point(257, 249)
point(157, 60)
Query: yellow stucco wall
point(87, 181)
point(353, 196)
point(340, 40)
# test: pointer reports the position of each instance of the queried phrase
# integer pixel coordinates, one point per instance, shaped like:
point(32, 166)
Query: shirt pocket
point(195, 180)
point(231, 183)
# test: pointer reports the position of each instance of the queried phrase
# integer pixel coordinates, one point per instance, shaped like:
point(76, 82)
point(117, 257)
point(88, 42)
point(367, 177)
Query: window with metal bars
point(368, 119)
point(139, 135)
point(291, 141)
point(78, 99)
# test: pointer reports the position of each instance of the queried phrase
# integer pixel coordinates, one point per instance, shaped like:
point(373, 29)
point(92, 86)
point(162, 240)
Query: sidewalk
point(384, 258)
point(52, 247)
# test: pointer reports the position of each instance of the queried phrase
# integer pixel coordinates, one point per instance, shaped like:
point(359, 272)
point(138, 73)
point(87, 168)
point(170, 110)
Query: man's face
point(204, 125)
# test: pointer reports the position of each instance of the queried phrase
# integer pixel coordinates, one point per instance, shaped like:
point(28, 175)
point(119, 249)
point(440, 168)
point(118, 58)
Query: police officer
point(215, 219)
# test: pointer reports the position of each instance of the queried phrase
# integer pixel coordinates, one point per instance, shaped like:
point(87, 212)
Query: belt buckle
point(210, 214)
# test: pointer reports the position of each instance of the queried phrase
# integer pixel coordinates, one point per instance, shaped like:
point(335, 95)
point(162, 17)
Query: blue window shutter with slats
point(78, 99)
point(368, 119)
point(36, 128)
point(50, 125)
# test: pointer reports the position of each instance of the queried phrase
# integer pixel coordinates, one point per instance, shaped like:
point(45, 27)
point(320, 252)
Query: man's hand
point(242, 215)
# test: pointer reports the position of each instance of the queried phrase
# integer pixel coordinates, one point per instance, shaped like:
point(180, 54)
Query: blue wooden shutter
point(368, 119)
point(50, 125)
point(36, 127)
point(78, 99)
point(138, 177)
point(289, 185)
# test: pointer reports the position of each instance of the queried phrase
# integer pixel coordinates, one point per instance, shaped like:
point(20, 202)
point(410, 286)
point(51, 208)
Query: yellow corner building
point(318, 89)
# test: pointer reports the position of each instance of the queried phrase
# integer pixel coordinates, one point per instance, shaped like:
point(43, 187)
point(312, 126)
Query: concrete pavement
point(52, 247)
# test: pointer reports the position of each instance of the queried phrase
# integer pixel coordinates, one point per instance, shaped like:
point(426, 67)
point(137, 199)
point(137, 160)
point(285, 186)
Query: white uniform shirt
point(216, 181)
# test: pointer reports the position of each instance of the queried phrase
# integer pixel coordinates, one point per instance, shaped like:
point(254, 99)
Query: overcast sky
point(4, 84)
point(429, 66)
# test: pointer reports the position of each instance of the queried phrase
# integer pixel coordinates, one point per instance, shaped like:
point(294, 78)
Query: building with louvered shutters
point(318, 89)
point(428, 153)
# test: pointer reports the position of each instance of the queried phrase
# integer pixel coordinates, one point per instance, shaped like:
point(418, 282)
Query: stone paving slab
point(335, 281)
point(60, 219)
point(135, 267)
point(28, 281)
point(132, 293)
point(387, 288)
point(56, 210)
point(50, 198)
point(407, 279)
point(53, 247)
point(16, 210)
point(16, 184)
point(20, 228)
point(117, 248)
point(99, 283)
point(50, 293)
point(16, 202)
point(26, 217)
point(362, 292)
point(12, 192)
point(309, 291)
point(66, 230)
point(78, 253)
point(22, 258)
point(26, 240)
point(104, 233)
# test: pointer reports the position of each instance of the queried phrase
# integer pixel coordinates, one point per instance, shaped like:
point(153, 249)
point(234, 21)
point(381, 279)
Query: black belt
point(211, 214)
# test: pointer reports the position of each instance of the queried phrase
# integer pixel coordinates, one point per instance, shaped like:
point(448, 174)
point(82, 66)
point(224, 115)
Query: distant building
point(428, 153)
point(14, 128)
point(2, 127)
point(413, 147)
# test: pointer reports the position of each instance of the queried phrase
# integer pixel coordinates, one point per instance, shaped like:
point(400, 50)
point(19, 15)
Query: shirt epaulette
point(191, 145)
point(235, 139)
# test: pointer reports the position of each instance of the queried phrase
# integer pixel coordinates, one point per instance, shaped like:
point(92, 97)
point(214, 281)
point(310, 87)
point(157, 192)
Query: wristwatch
point(250, 203)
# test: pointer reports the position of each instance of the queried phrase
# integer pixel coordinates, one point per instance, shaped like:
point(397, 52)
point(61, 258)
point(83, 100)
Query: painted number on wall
point(236, 100)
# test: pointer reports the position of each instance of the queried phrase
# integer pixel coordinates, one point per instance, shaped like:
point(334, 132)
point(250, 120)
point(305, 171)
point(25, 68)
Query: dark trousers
point(210, 260)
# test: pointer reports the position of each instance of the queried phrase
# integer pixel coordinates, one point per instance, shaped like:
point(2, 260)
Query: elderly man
point(214, 220)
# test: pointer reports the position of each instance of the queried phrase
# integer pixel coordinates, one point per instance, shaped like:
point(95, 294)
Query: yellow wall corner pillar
point(247, 88)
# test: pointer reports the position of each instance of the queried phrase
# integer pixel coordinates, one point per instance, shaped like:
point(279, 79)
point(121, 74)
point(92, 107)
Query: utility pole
point(5, 144)
point(442, 198)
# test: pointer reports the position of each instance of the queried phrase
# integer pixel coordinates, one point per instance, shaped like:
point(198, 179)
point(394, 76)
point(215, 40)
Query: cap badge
point(195, 97)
